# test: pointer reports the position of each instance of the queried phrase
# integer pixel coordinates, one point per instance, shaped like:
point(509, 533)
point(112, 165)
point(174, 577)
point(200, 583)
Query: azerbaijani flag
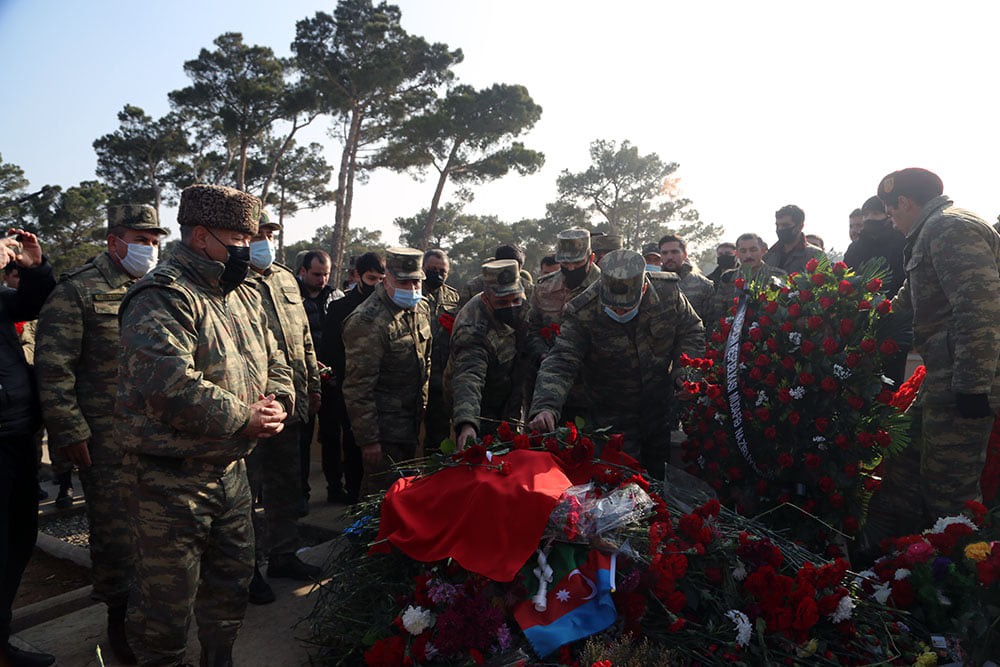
point(579, 601)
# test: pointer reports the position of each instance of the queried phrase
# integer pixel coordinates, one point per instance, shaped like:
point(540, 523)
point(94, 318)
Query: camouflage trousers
point(193, 538)
point(273, 469)
point(934, 476)
point(111, 553)
point(379, 478)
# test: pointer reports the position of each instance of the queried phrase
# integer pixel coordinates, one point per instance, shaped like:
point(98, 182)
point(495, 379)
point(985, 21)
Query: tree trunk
point(281, 221)
point(425, 236)
point(345, 192)
point(242, 173)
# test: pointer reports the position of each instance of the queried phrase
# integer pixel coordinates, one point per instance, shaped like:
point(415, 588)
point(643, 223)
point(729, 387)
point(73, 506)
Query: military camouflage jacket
point(484, 375)
point(387, 350)
point(192, 361)
point(442, 300)
point(952, 289)
point(626, 368)
point(475, 286)
point(547, 303)
point(286, 317)
point(77, 360)
point(725, 291)
point(698, 289)
point(794, 260)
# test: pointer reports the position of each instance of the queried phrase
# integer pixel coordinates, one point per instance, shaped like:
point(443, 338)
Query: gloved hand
point(973, 406)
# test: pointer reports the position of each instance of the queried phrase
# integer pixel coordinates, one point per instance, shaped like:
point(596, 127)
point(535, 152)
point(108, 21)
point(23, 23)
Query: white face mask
point(261, 254)
point(140, 259)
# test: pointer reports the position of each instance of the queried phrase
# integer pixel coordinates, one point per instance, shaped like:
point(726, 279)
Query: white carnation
point(795, 338)
point(740, 571)
point(840, 372)
point(417, 619)
point(844, 610)
point(946, 521)
point(901, 573)
point(743, 628)
point(797, 392)
point(882, 592)
point(761, 398)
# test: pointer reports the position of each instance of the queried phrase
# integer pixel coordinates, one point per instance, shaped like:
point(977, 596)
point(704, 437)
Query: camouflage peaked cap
point(606, 242)
point(219, 207)
point(134, 216)
point(404, 263)
point(502, 277)
point(622, 274)
point(573, 245)
point(651, 249)
point(266, 222)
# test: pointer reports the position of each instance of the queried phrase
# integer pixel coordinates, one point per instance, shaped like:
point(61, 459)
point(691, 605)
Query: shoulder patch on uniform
point(583, 299)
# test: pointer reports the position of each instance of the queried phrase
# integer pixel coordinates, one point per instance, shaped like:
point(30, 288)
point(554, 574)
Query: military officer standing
point(78, 380)
point(697, 287)
point(274, 469)
point(201, 379)
point(442, 299)
point(577, 272)
point(952, 291)
point(484, 378)
point(626, 333)
point(387, 350)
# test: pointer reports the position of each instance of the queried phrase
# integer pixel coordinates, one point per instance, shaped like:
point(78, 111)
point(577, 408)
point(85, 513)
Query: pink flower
point(919, 552)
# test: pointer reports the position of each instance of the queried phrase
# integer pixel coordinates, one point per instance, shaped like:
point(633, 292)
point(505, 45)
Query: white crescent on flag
point(593, 588)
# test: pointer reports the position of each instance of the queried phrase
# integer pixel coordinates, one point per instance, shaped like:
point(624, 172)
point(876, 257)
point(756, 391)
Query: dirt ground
point(47, 576)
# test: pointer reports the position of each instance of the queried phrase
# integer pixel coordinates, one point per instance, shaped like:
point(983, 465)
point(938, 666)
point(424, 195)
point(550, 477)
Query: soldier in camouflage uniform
point(485, 377)
point(699, 290)
point(577, 272)
point(505, 251)
point(274, 470)
point(78, 378)
point(442, 299)
point(201, 379)
point(752, 268)
point(387, 348)
point(952, 290)
point(602, 244)
point(626, 333)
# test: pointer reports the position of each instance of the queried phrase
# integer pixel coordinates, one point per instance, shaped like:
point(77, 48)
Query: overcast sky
point(761, 103)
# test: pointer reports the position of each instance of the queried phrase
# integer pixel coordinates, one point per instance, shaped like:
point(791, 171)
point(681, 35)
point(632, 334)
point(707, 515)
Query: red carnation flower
point(740, 283)
point(811, 265)
point(868, 345)
point(828, 384)
point(818, 279)
point(815, 322)
point(884, 307)
point(805, 295)
point(830, 346)
point(864, 304)
point(794, 310)
point(874, 285)
point(840, 268)
point(826, 302)
point(845, 288)
point(888, 347)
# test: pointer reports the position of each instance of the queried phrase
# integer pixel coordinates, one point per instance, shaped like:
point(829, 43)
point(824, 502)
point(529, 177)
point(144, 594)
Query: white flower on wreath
point(719, 417)
point(740, 571)
point(819, 438)
point(761, 398)
point(797, 392)
point(417, 619)
point(844, 610)
point(945, 521)
point(882, 592)
point(793, 295)
point(901, 573)
point(743, 628)
point(795, 338)
point(840, 372)
point(864, 575)
point(944, 599)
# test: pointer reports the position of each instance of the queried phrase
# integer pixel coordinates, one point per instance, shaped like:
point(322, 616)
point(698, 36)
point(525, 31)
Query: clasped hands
point(267, 417)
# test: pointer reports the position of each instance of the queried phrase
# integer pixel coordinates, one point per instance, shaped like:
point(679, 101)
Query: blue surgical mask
point(261, 254)
point(621, 319)
point(653, 267)
point(405, 298)
point(140, 259)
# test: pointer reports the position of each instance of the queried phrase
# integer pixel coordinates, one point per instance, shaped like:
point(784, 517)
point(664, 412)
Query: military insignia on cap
point(887, 184)
point(506, 277)
point(409, 264)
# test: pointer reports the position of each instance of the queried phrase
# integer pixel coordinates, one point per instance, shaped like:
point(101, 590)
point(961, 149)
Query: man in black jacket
point(20, 417)
point(334, 426)
point(878, 238)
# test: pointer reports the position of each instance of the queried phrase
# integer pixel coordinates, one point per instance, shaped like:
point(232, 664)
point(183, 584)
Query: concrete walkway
point(71, 627)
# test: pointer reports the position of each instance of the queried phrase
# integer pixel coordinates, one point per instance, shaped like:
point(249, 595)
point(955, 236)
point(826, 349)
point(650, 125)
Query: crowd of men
point(186, 391)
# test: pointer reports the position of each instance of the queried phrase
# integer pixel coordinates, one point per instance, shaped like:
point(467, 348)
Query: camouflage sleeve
point(312, 367)
point(280, 378)
point(561, 366)
point(363, 352)
point(58, 349)
point(968, 272)
point(901, 303)
point(536, 345)
point(690, 336)
point(428, 367)
point(158, 344)
point(470, 361)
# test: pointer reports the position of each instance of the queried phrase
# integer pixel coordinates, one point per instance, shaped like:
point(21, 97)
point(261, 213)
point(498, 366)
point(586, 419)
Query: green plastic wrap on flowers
point(789, 412)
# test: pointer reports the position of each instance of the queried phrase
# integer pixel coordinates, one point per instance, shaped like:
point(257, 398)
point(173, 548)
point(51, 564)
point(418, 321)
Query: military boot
point(260, 590)
point(289, 566)
point(217, 656)
point(116, 635)
point(65, 498)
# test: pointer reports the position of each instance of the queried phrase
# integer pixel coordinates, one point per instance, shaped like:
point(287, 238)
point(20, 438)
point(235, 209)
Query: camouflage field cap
point(134, 216)
point(219, 207)
point(573, 245)
point(502, 277)
point(606, 242)
point(404, 263)
point(266, 222)
point(622, 274)
point(650, 249)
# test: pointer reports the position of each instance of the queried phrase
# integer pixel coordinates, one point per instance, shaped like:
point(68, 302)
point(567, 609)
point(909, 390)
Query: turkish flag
point(489, 522)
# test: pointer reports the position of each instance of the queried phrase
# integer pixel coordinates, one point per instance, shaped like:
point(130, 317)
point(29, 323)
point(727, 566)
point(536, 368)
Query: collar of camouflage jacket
point(930, 208)
point(114, 274)
point(201, 270)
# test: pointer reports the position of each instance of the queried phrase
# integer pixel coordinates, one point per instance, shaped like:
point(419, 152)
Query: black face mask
point(433, 280)
point(574, 277)
point(726, 261)
point(237, 266)
point(788, 235)
point(511, 315)
point(365, 288)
